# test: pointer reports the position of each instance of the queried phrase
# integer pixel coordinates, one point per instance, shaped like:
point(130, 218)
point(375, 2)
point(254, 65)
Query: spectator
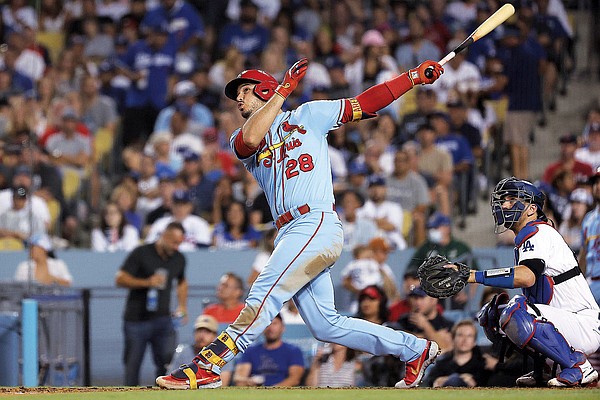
point(266, 246)
point(381, 249)
point(373, 305)
point(523, 58)
point(166, 187)
point(235, 231)
point(114, 233)
point(201, 188)
point(464, 366)
point(68, 148)
point(333, 365)
point(409, 189)
point(23, 177)
point(205, 331)
point(125, 197)
point(272, 363)
point(43, 266)
point(247, 35)
point(568, 147)
point(357, 230)
point(417, 49)
point(197, 230)
point(563, 183)
point(229, 295)
point(441, 241)
point(147, 186)
point(591, 153)
point(580, 202)
point(149, 270)
point(365, 271)
point(426, 101)
point(410, 280)
point(184, 24)
point(98, 45)
point(458, 74)
point(19, 222)
point(387, 215)
point(435, 164)
point(185, 93)
point(424, 319)
point(149, 63)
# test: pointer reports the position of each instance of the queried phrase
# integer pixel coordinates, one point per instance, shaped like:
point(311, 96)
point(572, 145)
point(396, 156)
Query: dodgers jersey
point(591, 239)
point(292, 163)
point(542, 241)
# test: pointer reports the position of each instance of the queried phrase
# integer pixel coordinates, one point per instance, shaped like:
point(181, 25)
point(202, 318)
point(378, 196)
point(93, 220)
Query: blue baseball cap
point(357, 168)
point(376, 180)
point(182, 196)
point(417, 291)
point(438, 219)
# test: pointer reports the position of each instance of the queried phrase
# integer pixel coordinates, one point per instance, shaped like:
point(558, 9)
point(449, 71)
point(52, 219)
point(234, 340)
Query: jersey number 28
point(304, 163)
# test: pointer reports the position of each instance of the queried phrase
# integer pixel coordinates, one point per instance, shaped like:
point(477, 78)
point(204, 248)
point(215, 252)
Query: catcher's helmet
point(265, 84)
point(517, 189)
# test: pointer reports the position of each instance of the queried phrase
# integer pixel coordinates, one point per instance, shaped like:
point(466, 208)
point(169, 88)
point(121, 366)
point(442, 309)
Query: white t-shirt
point(584, 154)
point(40, 208)
point(129, 240)
point(390, 211)
point(260, 261)
point(197, 232)
point(366, 272)
point(465, 76)
point(56, 268)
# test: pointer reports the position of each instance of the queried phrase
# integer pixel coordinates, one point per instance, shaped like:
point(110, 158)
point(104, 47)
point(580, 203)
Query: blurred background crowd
point(113, 119)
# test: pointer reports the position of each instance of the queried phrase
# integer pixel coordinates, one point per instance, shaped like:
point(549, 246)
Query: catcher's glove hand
point(441, 282)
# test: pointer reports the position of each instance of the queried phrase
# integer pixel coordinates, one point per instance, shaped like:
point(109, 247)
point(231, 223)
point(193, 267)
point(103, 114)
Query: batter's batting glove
point(417, 75)
point(292, 77)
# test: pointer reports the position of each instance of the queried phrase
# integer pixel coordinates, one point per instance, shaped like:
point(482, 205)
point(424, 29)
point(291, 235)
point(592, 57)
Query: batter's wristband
point(499, 277)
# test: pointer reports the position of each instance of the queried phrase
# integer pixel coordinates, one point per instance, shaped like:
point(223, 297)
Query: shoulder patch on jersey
point(527, 232)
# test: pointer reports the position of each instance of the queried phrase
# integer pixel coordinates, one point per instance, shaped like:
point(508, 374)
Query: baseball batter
point(556, 315)
point(287, 153)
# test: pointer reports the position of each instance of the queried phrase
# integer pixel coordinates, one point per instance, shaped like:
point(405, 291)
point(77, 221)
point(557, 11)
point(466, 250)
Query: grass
point(300, 394)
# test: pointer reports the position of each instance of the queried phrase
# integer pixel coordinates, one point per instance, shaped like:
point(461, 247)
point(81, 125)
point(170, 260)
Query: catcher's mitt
point(441, 282)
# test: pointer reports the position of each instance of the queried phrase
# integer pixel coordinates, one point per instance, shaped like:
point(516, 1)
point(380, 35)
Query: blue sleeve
point(467, 153)
point(225, 37)
point(196, 25)
point(248, 355)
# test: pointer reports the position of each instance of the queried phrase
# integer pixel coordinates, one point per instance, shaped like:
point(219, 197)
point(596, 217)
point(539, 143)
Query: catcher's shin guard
point(523, 329)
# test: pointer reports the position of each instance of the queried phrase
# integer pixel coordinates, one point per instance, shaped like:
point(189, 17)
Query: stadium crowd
point(113, 124)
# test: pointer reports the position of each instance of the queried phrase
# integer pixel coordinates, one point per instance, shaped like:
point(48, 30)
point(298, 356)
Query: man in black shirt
point(148, 273)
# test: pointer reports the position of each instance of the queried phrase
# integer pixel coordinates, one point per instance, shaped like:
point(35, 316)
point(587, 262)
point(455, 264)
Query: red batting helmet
point(265, 84)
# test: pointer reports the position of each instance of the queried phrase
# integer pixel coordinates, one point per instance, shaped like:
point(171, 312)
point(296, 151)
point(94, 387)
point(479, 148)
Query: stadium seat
point(11, 244)
point(54, 41)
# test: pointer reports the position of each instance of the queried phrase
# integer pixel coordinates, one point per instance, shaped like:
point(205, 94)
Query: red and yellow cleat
point(416, 368)
point(190, 376)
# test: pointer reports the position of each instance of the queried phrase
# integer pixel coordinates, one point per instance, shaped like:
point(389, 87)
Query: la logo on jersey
point(528, 246)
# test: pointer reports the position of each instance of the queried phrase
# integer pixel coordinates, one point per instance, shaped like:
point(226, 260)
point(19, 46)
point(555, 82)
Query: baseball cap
point(568, 138)
point(23, 170)
point(20, 192)
point(376, 180)
point(41, 240)
point(417, 291)
point(581, 195)
point(190, 155)
point(370, 292)
point(185, 88)
point(207, 322)
point(69, 113)
point(372, 37)
point(357, 168)
point(182, 196)
point(379, 243)
point(438, 219)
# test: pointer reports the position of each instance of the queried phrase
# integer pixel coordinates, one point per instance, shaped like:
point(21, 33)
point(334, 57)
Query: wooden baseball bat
point(497, 18)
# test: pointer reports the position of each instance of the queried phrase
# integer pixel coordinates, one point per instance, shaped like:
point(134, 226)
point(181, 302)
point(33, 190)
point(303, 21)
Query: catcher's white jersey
point(543, 242)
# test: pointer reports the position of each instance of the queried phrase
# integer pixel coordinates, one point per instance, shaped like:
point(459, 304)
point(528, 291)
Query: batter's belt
point(295, 212)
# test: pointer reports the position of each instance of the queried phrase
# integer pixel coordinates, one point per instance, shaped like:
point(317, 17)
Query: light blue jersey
point(292, 163)
point(591, 243)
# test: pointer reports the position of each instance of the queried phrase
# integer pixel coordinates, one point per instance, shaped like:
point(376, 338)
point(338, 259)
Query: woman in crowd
point(235, 232)
point(43, 267)
point(114, 233)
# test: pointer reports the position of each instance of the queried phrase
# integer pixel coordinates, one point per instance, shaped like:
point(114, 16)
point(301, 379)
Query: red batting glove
point(417, 75)
point(292, 78)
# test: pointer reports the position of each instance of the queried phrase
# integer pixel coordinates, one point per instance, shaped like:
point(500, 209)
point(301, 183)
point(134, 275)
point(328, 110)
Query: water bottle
point(152, 296)
point(152, 299)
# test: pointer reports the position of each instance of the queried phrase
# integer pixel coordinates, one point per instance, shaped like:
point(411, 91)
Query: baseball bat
point(497, 18)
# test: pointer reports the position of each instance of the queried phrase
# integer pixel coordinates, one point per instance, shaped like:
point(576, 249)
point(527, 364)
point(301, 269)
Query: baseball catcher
point(556, 314)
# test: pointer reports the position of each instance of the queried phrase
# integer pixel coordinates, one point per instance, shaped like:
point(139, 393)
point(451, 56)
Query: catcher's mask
point(512, 188)
point(265, 84)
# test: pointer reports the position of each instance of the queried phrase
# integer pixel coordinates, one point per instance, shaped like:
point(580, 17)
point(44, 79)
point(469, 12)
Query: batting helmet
point(265, 84)
point(519, 190)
